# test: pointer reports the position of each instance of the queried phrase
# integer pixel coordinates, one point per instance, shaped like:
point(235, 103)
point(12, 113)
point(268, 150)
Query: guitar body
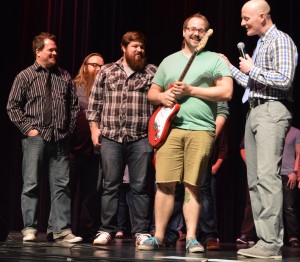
point(159, 124)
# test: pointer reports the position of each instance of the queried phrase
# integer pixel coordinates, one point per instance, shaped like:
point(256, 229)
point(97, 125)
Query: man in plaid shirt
point(118, 113)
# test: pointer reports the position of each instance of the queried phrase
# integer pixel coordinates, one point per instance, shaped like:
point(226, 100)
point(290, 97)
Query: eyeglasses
point(194, 30)
point(95, 65)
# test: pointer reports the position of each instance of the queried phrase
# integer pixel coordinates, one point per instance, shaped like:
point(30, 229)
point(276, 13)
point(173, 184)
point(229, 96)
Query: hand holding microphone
point(241, 48)
point(246, 62)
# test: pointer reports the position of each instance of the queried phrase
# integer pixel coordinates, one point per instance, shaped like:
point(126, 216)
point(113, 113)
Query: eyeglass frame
point(194, 30)
point(95, 65)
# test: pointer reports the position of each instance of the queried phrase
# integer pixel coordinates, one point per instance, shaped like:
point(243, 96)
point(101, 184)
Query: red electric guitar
point(160, 121)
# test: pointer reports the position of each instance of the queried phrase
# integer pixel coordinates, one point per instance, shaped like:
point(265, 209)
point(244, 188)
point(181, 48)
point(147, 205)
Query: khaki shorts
point(184, 156)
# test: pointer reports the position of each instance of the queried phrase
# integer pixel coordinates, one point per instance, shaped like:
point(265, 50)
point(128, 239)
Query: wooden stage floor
point(122, 250)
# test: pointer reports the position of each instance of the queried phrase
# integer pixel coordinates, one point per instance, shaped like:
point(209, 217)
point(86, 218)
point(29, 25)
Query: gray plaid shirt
point(119, 103)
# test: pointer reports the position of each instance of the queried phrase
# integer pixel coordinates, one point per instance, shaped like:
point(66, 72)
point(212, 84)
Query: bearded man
point(118, 114)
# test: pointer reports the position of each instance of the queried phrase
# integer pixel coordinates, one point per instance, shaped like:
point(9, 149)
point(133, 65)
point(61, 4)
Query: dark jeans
point(138, 156)
point(84, 173)
point(207, 227)
point(125, 209)
point(248, 227)
point(290, 204)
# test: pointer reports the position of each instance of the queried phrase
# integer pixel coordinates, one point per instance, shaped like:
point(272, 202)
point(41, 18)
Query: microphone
point(241, 48)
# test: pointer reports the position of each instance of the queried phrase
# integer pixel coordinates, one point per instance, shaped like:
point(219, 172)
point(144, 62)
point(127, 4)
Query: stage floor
point(122, 250)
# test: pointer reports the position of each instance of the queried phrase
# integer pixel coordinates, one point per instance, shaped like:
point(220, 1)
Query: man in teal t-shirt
point(184, 156)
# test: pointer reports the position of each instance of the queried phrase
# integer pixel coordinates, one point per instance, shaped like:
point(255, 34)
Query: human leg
point(164, 205)
point(291, 222)
point(32, 167)
point(113, 166)
point(163, 209)
point(191, 210)
point(176, 224)
point(265, 132)
point(139, 157)
point(248, 233)
point(85, 201)
point(122, 214)
point(207, 221)
point(169, 169)
point(198, 147)
point(59, 189)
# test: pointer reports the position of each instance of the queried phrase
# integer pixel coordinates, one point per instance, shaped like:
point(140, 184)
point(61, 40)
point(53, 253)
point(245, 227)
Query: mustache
point(140, 54)
point(195, 37)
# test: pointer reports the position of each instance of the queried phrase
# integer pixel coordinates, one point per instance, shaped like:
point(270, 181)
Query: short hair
point(196, 15)
point(38, 42)
point(133, 36)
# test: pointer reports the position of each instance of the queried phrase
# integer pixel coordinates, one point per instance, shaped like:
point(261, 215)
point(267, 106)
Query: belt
point(254, 101)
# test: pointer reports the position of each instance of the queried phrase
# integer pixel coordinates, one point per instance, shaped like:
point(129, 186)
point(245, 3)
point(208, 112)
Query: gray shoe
point(193, 246)
point(150, 243)
point(69, 238)
point(260, 251)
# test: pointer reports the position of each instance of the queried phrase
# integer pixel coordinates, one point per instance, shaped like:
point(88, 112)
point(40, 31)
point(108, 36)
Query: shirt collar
point(268, 33)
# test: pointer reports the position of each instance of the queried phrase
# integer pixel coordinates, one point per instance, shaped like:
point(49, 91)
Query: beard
point(135, 62)
point(89, 79)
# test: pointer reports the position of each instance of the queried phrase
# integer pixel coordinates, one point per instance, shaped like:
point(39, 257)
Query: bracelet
point(295, 172)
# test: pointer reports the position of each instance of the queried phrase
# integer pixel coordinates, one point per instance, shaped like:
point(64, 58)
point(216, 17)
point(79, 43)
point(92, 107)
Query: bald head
point(258, 6)
point(256, 17)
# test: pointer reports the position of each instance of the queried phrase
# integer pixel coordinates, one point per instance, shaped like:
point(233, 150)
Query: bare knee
point(167, 188)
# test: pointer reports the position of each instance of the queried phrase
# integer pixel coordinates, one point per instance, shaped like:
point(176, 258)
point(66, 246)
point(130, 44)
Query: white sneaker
point(103, 239)
point(29, 237)
point(140, 238)
point(70, 238)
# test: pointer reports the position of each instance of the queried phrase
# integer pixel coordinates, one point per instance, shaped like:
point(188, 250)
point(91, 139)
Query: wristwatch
point(295, 172)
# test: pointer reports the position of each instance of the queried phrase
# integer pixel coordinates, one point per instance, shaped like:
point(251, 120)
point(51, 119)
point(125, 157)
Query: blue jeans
point(125, 208)
point(208, 216)
point(38, 154)
point(138, 156)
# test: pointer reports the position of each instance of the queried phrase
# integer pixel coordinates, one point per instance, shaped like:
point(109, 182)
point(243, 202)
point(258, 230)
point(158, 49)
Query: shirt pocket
point(113, 82)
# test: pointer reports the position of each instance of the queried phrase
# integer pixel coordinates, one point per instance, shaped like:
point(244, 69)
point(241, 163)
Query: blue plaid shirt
point(274, 70)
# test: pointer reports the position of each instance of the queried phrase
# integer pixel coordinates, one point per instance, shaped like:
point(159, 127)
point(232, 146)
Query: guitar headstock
point(204, 40)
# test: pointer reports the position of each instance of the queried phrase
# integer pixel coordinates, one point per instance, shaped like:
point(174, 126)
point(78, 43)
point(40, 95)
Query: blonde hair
point(82, 77)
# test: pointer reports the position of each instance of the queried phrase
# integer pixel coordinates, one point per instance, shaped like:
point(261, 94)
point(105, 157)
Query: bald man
point(269, 76)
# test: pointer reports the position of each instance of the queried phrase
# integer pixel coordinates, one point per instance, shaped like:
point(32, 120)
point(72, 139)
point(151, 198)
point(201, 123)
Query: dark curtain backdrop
point(85, 26)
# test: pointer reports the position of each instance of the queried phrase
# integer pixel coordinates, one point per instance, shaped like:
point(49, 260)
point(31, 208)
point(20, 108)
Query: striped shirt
point(119, 102)
point(274, 70)
point(26, 102)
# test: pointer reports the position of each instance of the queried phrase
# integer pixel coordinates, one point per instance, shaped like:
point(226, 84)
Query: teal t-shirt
point(194, 113)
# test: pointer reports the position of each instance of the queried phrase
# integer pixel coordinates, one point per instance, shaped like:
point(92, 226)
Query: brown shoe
point(212, 244)
point(119, 234)
point(295, 243)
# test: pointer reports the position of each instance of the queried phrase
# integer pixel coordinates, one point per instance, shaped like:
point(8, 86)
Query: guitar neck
point(188, 65)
